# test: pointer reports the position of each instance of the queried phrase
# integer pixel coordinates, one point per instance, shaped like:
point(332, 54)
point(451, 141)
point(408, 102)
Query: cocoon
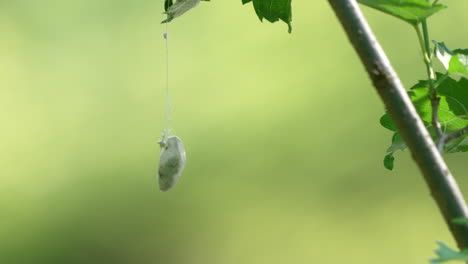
point(171, 162)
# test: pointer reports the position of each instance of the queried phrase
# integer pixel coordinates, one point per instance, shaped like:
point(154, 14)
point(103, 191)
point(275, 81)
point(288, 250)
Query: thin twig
point(456, 134)
point(443, 186)
point(435, 102)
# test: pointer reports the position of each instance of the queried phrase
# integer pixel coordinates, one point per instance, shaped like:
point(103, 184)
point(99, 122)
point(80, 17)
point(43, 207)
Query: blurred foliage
point(411, 11)
point(284, 164)
point(273, 10)
point(446, 254)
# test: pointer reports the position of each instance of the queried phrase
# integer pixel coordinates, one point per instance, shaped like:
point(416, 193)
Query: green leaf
point(455, 62)
point(387, 122)
point(167, 4)
point(453, 114)
point(411, 11)
point(397, 145)
point(453, 108)
point(460, 221)
point(445, 254)
point(273, 10)
point(457, 145)
point(388, 161)
point(178, 8)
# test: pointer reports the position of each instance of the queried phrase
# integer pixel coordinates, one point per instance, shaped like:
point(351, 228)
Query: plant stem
point(427, 50)
point(424, 44)
point(443, 186)
point(423, 38)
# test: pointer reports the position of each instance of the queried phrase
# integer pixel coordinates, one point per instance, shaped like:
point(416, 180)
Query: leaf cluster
point(453, 114)
point(273, 10)
point(446, 254)
point(450, 87)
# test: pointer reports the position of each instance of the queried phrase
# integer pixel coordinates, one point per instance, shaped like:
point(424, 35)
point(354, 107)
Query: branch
point(443, 187)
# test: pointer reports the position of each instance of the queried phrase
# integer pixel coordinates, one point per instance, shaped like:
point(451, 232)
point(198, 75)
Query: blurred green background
point(283, 142)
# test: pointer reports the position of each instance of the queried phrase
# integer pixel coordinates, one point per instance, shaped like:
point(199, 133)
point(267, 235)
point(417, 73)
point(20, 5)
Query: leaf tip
point(389, 161)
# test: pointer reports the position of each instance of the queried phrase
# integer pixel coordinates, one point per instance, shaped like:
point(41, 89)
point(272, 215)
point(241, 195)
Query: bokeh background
point(283, 142)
